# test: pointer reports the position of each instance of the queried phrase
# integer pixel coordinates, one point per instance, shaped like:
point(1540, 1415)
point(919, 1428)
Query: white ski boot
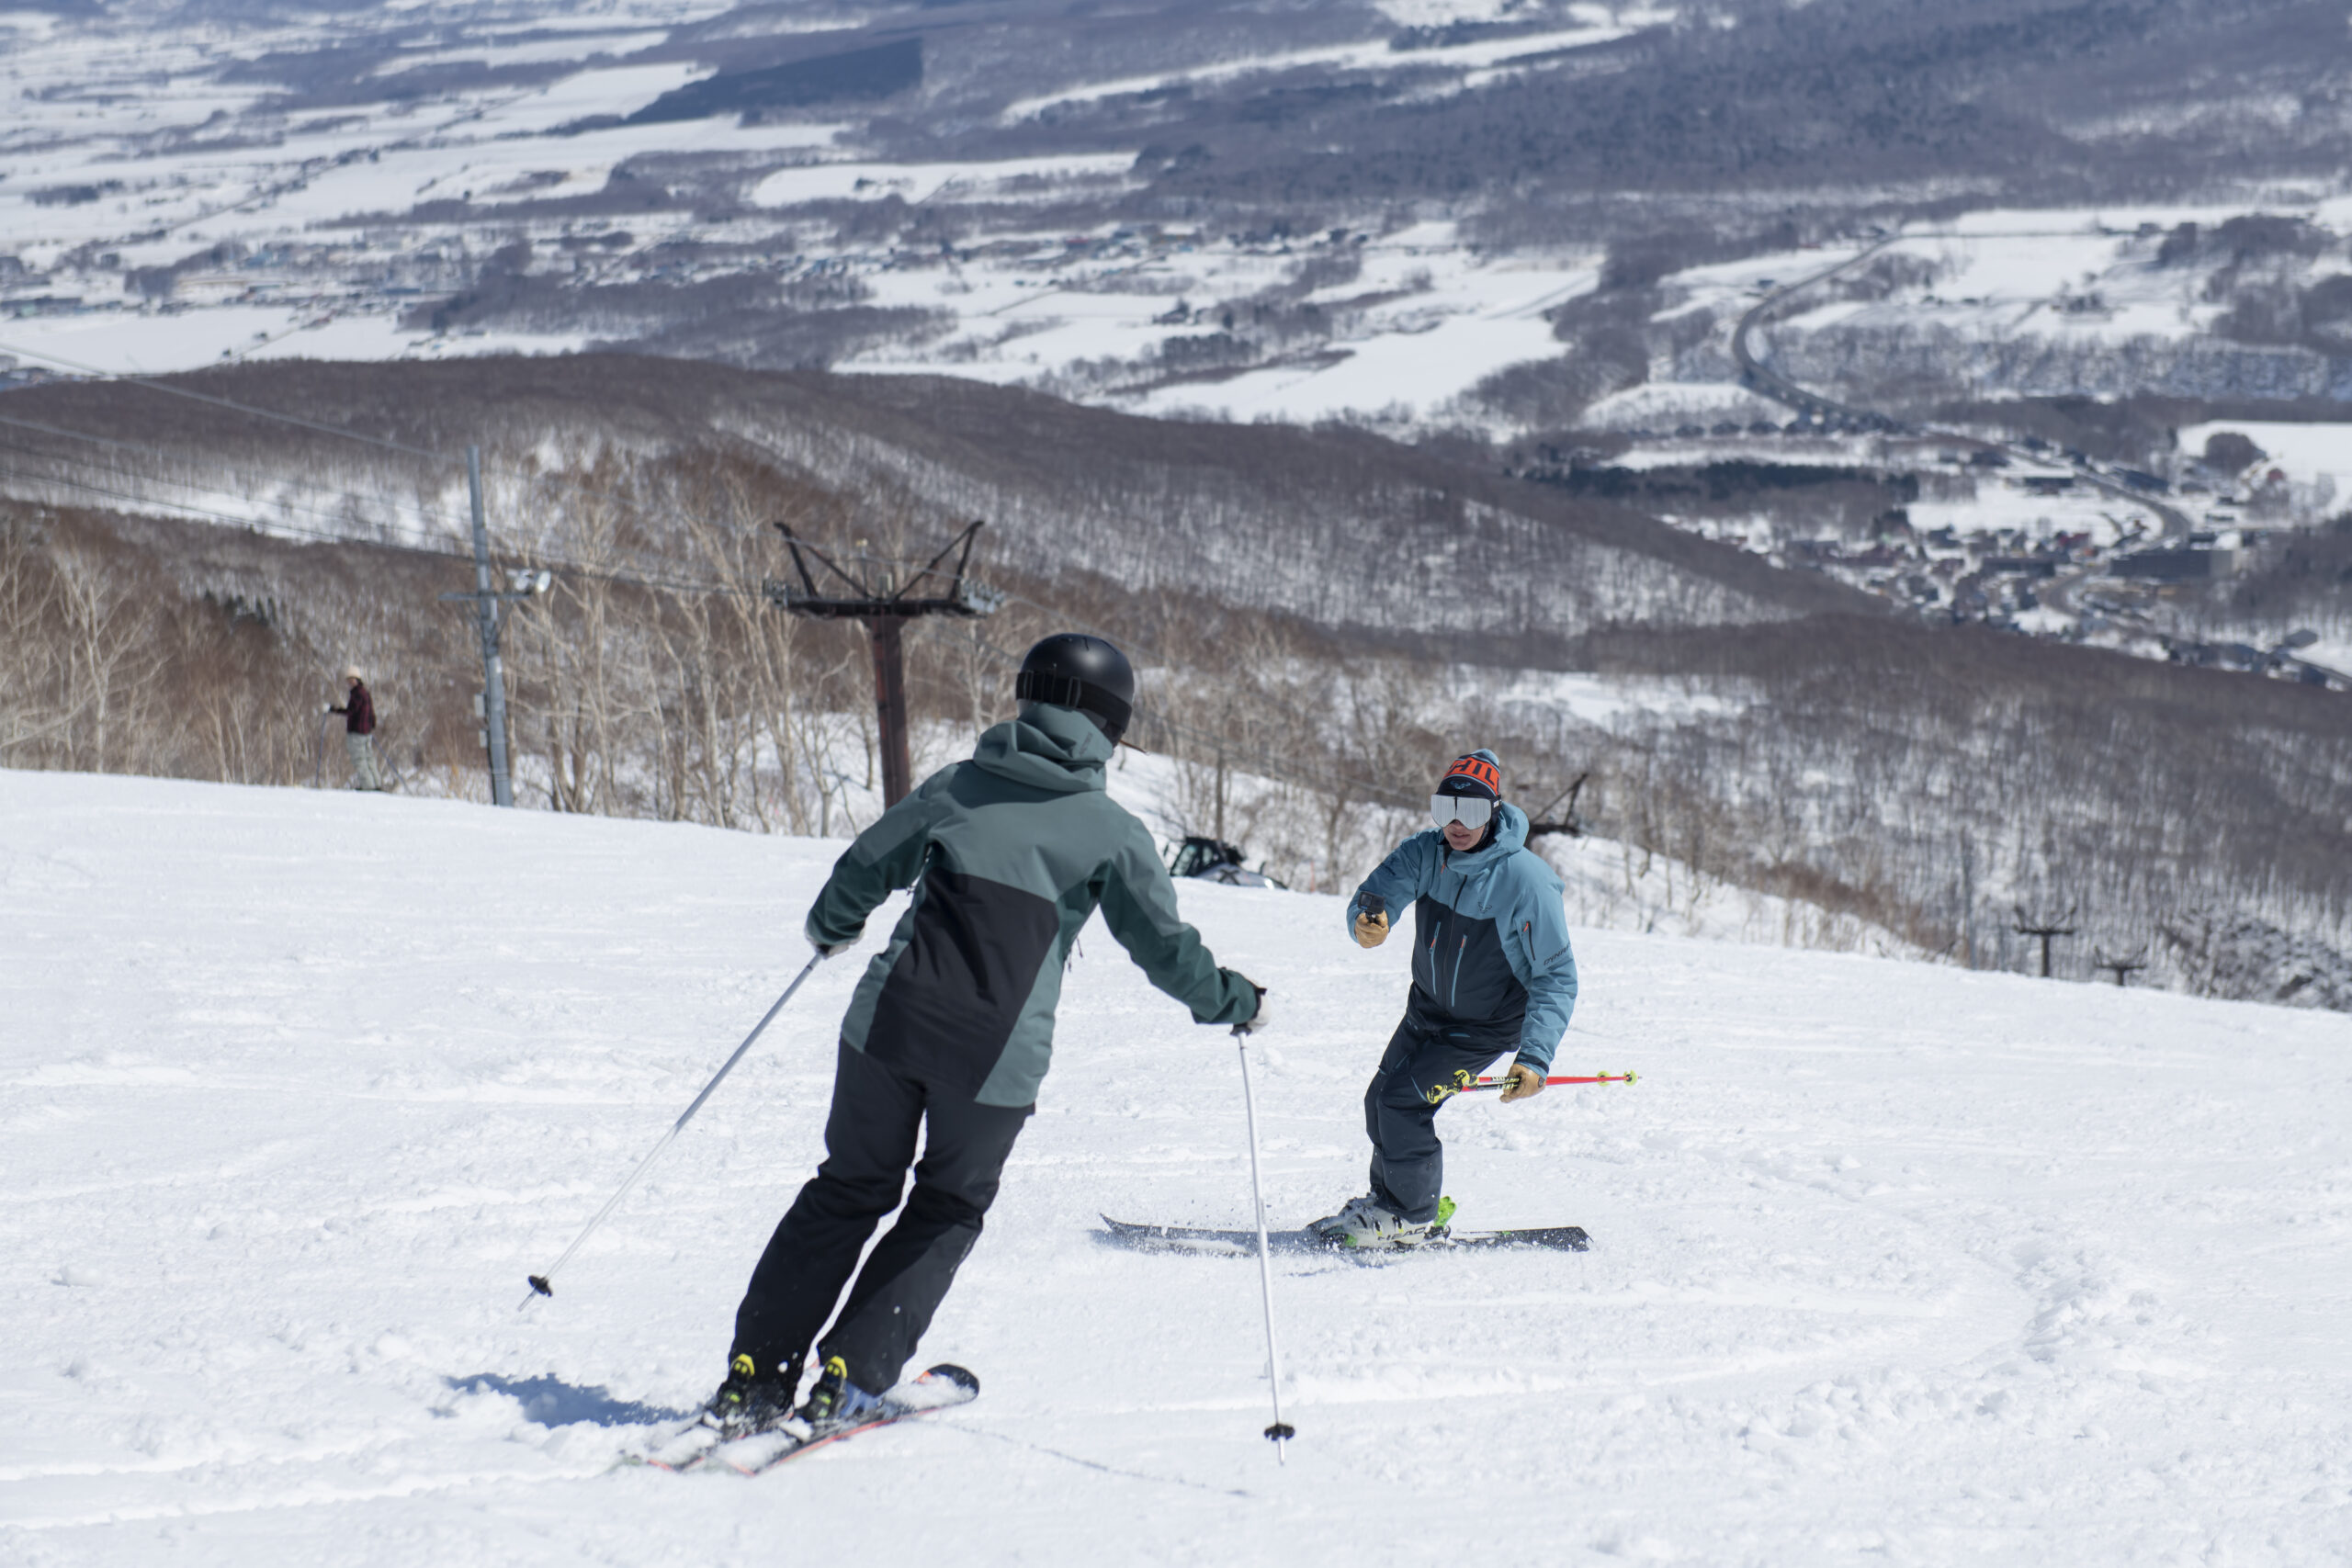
point(1365, 1224)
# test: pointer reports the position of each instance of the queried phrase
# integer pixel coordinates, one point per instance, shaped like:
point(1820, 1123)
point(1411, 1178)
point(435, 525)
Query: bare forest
point(1321, 619)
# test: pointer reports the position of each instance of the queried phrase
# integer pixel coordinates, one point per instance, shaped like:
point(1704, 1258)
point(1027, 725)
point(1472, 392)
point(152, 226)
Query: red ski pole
point(1474, 1085)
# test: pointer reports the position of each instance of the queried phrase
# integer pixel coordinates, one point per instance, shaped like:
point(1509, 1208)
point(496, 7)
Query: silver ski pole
point(539, 1282)
point(1280, 1431)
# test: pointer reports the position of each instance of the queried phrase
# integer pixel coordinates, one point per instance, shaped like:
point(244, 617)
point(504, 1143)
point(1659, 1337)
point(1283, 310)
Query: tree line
point(1919, 780)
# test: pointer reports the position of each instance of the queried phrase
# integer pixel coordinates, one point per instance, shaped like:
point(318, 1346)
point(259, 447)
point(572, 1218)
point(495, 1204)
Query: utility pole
point(1968, 898)
point(493, 671)
point(1217, 830)
point(2045, 930)
point(491, 708)
point(884, 607)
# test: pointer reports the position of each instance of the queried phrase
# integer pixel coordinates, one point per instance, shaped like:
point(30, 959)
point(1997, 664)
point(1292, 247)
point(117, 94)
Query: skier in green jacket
point(951, 1030)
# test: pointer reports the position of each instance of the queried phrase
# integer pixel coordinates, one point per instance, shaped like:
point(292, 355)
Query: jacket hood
point(1511, 836)
point(1052, 748)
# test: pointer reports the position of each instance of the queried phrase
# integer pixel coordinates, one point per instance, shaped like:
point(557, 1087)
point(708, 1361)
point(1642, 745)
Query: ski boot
point(748, 1402)
point(835, 1402)
point(1367, 1224)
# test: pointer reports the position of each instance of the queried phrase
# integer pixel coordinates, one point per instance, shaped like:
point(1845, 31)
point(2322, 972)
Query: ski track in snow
point(1891, 1263)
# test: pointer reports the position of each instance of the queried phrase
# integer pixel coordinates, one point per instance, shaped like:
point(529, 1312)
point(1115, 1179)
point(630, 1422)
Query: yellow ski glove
point(1522, 1082)
point(1372, 930)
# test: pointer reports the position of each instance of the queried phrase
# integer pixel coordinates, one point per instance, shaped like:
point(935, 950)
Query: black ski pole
point(539, 1282)
point(1281, 1431)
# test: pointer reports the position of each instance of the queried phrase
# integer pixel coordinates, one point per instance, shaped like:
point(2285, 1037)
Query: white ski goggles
point(1472, 811)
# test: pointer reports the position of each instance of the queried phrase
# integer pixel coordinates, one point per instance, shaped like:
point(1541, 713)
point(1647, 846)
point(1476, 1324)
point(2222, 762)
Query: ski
point(703, 1447)
point(682, 1450)
point(942, 1388)
point(1243, 1244)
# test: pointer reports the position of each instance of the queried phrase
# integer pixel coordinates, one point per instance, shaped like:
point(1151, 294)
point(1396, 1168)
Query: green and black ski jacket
point(1008, 853)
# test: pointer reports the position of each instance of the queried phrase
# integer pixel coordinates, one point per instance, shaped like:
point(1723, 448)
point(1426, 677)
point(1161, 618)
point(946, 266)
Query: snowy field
point(2303, 452)
point(1594, 24)
point(1892, 1263)
point(146, 144)
point(313, 220)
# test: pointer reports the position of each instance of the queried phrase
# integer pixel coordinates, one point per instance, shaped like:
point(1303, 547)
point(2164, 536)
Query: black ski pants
point(869, 1145)
point(1422, 1068)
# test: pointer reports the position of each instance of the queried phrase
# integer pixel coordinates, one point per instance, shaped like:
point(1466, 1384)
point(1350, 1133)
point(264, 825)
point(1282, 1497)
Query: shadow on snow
point(551, 1401)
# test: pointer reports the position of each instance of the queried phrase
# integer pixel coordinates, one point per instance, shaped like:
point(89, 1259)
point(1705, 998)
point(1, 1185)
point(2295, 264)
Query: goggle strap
point(1069, 691)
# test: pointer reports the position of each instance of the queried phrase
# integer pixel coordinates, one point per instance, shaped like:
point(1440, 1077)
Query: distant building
point(210, 289)
point(2176, 565)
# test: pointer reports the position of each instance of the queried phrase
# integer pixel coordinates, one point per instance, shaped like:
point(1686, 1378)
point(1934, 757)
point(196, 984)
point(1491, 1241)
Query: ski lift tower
point(884, 606)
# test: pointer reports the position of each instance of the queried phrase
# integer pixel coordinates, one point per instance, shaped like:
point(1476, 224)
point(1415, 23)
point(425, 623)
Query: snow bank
point(1891, 1262)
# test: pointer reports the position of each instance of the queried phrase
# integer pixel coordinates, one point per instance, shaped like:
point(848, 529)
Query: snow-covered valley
point(179, 191)
point(1076, 213)
point(1891, 1262)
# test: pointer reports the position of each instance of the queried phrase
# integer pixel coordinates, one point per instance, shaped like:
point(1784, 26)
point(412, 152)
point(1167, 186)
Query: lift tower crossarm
point(885, 609)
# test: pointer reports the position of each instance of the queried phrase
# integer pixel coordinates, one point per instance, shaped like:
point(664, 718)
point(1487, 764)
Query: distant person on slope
point(1492, 972)
point(358, 710)
point(951, 1030)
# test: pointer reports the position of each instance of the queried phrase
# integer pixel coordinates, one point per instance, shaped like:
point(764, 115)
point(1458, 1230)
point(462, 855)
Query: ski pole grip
point(1372, 904)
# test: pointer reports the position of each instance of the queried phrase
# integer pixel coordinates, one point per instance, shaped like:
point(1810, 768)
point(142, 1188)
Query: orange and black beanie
point(1480, 774)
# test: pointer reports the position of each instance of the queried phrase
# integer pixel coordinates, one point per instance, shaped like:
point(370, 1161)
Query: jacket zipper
point(1461, 946)
point(1462, 943)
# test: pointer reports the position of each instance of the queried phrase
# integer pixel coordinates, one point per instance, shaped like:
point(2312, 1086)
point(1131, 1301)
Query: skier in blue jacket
point(1492, 974)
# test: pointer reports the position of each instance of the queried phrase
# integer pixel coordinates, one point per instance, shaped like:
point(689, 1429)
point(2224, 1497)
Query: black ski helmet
point(1075, 671)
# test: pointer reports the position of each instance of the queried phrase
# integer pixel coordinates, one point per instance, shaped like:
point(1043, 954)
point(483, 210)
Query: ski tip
point(1559, 1238)
point(947, 1371)
point(539, 1283)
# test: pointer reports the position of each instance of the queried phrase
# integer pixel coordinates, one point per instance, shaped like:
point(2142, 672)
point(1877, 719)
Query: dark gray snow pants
point(1417, 1073)
point(869, 1145)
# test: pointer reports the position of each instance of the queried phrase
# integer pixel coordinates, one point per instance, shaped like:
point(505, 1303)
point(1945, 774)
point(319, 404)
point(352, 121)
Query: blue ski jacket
point(1490, 950)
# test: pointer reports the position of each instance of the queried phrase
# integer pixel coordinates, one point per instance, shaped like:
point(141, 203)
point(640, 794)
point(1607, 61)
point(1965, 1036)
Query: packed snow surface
point(1891, 1263)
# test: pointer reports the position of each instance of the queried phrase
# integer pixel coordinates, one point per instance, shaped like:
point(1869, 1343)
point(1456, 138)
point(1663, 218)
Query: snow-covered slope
point(1891, 1262)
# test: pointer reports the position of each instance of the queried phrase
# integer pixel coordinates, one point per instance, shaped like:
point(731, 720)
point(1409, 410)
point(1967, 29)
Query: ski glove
point(821, 950)
point(1522, 1082)
point(1256, 1020)
point(1372, 930)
